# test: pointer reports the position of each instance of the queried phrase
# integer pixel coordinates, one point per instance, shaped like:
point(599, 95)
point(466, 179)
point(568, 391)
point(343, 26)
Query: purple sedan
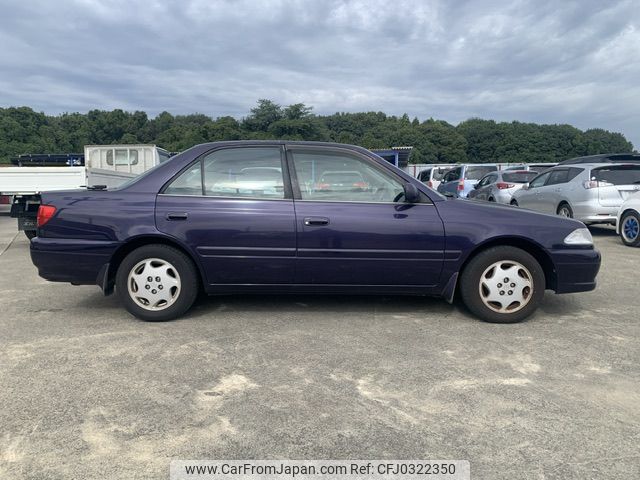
point(303, 217)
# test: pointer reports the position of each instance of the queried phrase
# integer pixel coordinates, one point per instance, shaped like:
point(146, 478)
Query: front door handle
point(316, 221)
point(176, 216)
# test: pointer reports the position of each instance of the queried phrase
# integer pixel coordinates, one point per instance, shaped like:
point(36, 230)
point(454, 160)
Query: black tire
point(514, 202)
point(30, 234)
point(188, 281)
point(472, 273)
point(626, 238)
point(564, 206)
point(491, 199)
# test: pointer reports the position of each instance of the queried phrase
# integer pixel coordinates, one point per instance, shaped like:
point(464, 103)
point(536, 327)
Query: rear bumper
point(81, 262)
point(576, 269)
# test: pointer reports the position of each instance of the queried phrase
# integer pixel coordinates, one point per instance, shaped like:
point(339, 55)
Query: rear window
point(438, 173)
point(617, 175)
point(424, 175)
point(520, 177)
point(477, 172)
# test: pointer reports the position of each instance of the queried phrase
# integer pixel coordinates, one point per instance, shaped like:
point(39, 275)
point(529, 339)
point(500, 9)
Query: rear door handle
point(177, 216)
point(316, 221)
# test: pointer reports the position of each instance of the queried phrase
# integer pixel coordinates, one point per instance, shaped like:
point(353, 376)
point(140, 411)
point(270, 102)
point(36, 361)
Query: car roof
point(594, 165)
point(603, 158)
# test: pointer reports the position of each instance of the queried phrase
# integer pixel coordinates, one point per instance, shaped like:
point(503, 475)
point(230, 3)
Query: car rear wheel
point(630, 229)
point(502, 285)
point(157, 283)
point(514, 203)
point(491, 199)
point(30, 234)
point(564, 210)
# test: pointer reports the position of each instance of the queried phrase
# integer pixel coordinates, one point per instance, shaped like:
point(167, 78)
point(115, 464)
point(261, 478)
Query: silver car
point(591, 193)
point(500, 186)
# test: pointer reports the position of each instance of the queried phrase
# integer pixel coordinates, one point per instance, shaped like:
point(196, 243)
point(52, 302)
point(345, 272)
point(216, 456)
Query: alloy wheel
point(630, 229)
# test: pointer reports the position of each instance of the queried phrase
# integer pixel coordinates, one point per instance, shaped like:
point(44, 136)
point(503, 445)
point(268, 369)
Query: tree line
point(23, 130)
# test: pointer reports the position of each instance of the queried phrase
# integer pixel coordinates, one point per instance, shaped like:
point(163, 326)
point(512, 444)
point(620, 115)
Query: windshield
point(519, 177)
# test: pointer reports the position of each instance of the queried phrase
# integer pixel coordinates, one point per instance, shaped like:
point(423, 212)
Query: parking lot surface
point(87, 391)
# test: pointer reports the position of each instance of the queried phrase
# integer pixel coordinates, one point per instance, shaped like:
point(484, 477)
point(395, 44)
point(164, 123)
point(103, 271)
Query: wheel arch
point(622, 215)
point(564, 202)
point(118, 256)
point(529, 246)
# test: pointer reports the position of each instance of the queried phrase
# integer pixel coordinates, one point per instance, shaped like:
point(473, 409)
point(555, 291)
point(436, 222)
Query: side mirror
point(476, 186)
point(525, 186)
point(411, 193)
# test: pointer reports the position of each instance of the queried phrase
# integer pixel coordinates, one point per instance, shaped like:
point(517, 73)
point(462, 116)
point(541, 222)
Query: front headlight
point(580, 236)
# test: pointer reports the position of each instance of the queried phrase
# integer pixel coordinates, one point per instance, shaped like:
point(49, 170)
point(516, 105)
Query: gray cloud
point(556, 62)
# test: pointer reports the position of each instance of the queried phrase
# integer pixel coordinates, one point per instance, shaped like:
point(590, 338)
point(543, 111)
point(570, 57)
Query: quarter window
point(188, 183)
point(343, 178)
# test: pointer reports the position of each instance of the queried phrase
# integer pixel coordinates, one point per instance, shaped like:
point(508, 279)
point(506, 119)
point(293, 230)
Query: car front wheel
point(502, 285)
point(157, 283)
point(630, 229)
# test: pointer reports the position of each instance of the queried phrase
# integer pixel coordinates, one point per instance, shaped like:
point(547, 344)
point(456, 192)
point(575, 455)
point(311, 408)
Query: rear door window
point(244, 172)
point(558, 176)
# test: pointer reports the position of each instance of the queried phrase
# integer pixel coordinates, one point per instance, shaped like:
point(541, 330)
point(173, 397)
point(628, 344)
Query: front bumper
point(576, 269)
point(80, 262)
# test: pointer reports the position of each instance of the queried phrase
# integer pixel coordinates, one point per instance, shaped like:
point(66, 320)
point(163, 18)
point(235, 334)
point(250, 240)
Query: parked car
point(459, 181)
point(628, 224)
point(341, 181)
point(500, 186)
point(591, 193)
point(158, 246)
point(604, 158)
point(432, 176)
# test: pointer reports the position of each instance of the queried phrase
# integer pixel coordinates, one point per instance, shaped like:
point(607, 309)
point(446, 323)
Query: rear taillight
point(4, 199)
point(590, 184)
point(461, 184)
point(45, 212)
point(503, 185)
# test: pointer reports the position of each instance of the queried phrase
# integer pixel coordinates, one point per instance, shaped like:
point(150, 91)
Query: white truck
point(103, 166)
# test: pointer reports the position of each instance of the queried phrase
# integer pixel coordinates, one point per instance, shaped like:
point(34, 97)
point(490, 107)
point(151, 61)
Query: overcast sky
point(574, 62)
